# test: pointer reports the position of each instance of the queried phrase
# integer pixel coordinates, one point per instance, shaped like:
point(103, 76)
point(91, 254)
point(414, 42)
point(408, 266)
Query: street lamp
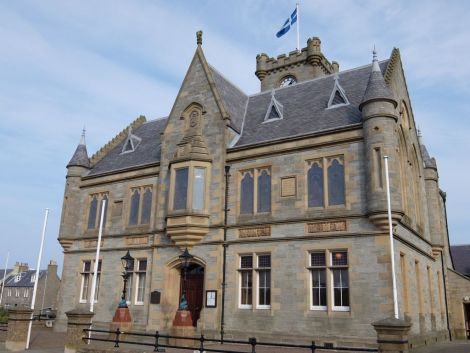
point(128, 264)
point(185, 259)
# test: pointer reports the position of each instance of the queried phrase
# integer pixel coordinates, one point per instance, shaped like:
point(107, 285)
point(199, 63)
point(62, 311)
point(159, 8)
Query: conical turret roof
point(80, 157)
point(376, 88)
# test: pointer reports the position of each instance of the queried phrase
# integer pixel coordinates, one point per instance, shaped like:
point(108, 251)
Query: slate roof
point(305, 106)
point(147, 152)
point(80, 157)
point(234, 99)
point(461, 258)
point(25, 280)
point(305, 112)
point(2, 271)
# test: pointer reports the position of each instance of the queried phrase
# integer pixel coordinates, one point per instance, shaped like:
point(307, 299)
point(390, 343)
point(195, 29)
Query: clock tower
point(286, 70)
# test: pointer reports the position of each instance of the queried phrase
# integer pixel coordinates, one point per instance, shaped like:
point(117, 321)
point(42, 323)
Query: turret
point(76, 168)
point(431, 183)
point(379, 126)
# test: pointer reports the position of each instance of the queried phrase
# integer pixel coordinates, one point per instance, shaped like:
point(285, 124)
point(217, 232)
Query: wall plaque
point(254, 232)
point(137, 240)
point(288, 186)
point(326, 227)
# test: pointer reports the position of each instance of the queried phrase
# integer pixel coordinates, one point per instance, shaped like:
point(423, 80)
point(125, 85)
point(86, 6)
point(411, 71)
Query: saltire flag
point(288, 24)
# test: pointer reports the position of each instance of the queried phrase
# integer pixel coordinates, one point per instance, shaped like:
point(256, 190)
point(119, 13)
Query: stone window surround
point(254, 280)
point(89, 273)
point(191, 165)
point(255, 170)
point(330, 308)
point(141, 189)
point(324, 159)
point(100, 194)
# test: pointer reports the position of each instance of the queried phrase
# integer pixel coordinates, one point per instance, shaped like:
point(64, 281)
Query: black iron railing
point(200, 343)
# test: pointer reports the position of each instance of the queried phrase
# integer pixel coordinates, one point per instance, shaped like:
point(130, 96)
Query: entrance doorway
point(466, 308)
point(194, 290)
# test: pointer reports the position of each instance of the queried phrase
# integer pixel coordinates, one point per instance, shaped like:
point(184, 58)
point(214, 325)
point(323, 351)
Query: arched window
point(146, 206)
point(134, 212)
point(335, 181)
point(92, 212)
point(246, 194)
point(264, 191)
point(315, 185)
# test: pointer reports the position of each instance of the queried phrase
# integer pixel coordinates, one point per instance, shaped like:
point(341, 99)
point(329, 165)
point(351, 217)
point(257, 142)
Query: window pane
point(134, 213)
point(246, 196)
point(264, 292)
point(246, 288)
point(336, 183)
point(86, 266)
point(317, 259)
point(337, 295)
point(129, 287)
point(181, 189)
point(86, 280)
point(146, 207)
point(246, 261)
point(92, 213)
point(345, 296)
point(315, 185)
point(264, 191)
point(143, 265)
point(264, 261)
point(339, 258)
point(198, 188)
point(141, 288)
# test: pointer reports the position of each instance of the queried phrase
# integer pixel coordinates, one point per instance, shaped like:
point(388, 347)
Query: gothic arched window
point(92, 212)
point(146, 206)
point(134, 212)
point(335, 182)
point(264, 191)
point(315, 185)
point(246, 193)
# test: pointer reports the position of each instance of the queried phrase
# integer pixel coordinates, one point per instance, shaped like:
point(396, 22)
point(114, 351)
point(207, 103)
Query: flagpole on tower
point(298, 27)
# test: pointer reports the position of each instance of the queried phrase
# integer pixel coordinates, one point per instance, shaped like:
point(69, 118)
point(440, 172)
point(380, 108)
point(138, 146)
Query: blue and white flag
point(288, 24)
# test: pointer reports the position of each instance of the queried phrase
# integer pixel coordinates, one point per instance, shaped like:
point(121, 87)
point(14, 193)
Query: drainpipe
point(224, 264)
point(443, 195)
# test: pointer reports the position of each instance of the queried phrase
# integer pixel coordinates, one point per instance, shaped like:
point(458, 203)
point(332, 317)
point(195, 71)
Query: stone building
point(303, 249)
point(18, 290)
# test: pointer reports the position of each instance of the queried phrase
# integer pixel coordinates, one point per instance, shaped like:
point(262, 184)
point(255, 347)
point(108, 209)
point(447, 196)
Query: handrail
point(252, 342)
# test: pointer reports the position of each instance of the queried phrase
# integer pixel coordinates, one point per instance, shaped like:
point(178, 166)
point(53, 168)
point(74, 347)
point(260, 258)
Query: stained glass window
point(335, 182)
point(264, 191)
point(246, 197)
point(315, 185)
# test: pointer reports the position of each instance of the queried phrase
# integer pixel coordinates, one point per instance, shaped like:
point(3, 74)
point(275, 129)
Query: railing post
point(252, 341)
point(116, 341)
point(201, 346)
point(314, 347)
point(392, 335)
point(156, 345)
point(18, 322)
point(77, 321)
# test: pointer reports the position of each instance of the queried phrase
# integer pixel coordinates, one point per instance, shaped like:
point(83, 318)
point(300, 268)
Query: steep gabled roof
point(461, 258)
point(146, 153)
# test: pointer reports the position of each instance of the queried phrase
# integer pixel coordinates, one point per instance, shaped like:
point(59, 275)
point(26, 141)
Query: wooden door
point(195, 291)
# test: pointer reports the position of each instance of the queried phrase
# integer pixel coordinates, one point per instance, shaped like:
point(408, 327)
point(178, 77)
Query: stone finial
point(199, 37)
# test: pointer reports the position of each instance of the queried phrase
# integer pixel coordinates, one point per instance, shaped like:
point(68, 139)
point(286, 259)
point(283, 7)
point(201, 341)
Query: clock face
point(288, 81)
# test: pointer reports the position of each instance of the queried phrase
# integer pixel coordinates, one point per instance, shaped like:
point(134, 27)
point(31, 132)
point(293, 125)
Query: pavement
point(43, 341)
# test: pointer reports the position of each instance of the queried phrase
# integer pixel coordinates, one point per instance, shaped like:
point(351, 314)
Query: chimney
point(52, 268)
point(20, 267)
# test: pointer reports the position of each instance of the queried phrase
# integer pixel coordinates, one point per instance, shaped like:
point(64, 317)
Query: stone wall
point(458, 287)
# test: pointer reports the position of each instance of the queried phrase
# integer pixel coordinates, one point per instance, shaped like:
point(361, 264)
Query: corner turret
point(80, 157)
point(379, 126)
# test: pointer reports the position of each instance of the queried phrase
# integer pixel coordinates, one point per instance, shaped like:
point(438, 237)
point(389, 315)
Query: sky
point(100, 64)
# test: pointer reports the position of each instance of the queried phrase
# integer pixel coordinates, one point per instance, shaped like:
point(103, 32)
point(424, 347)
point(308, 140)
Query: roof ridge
point(116, 140)
point(316, 79)
point(155, 119)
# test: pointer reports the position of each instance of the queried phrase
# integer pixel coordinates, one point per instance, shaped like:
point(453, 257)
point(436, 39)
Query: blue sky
point(66, 64)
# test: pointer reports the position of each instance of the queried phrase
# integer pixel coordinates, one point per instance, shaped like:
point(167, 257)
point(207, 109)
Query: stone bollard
point(77, 320)
point(392, 335)
point(18, 323)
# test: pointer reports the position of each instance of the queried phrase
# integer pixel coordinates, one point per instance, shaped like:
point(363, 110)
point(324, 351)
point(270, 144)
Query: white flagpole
point(298, 25)
point(392, 250)
point(4, 278)
point(36, 280)
point(97, 258)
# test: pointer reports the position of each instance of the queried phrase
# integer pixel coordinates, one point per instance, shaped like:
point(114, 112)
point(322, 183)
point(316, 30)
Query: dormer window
point(131, 142)
point(275, 109)
point(33, 278)
point(18, 277)
point(338, 96)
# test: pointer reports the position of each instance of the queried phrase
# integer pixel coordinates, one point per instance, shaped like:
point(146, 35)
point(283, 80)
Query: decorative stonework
point(91, 243)
point(254, 232)
point(288, 186)
point(319, 227)
point(137, 240)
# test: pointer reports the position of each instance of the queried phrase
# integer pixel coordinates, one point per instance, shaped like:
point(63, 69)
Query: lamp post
point(127, 263)
point(185, 259)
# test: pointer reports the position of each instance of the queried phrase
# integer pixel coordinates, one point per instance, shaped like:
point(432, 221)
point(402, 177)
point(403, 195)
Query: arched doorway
point(194, 290)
